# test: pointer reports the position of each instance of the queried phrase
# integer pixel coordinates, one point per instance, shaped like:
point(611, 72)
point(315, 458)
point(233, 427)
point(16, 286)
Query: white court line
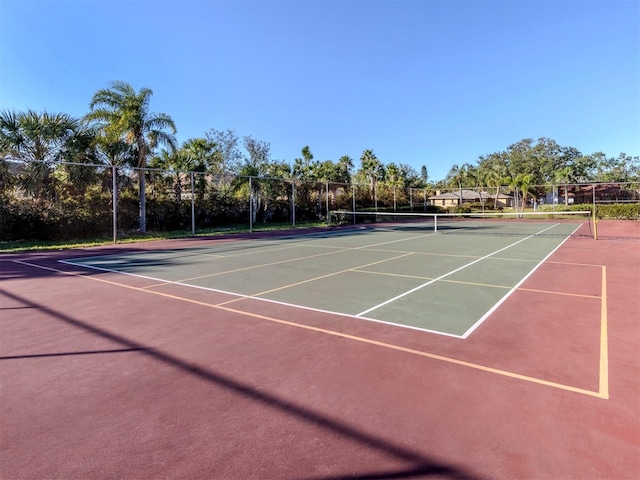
point(240, 295)
point(396, 241)
point(359, 316)
point(450, 273)
point(510, 292)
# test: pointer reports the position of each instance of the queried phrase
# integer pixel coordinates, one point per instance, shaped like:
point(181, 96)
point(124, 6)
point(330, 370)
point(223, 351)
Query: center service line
point(450, 273)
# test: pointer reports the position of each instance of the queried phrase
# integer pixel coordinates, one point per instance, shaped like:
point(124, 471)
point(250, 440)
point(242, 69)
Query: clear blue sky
point(420, 82)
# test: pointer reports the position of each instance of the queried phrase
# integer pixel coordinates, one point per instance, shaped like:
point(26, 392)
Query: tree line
point(120, 130)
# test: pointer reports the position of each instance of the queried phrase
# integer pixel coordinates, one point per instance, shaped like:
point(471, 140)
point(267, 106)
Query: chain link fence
point(65, 201)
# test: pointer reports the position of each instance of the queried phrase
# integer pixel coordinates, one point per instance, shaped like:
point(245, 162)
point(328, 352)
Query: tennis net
point(488, 223)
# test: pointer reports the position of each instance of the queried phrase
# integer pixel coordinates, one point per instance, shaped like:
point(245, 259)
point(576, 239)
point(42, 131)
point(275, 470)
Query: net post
point(395, 202)
point(250, 205)
point(327, 200)
point(595, 221)
point(114, 201)
point(353, 202)
point(375, 197)
point(435, 223)
point(293, 200)
point(193, 207)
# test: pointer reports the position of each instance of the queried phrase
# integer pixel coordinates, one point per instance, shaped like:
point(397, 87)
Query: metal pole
point(293, 202)
point(353, 202)
point(250, 205)
point(595, 220)
point(114, 201)
point(394, 198)
point(193, 207)
point(375, 198)
point(327, 201)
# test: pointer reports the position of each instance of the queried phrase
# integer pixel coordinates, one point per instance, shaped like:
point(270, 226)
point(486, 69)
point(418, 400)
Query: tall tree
point(345, 167)
point(457, 176)
point(228, 157)
point(201, 150)
point(540, 160)
point(394, 176)
point(124, 113)
point(521, 185)
point(259, 153)
point(201, 154)
point(192, 156)
point(35, 136)
point(41, 139)
point(424, 174)
point(372, 169)
point(493, 168)
point(303, 167)
point(624, 168)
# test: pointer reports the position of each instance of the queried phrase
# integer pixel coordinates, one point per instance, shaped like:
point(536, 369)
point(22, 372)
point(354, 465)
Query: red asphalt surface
point(103, 379)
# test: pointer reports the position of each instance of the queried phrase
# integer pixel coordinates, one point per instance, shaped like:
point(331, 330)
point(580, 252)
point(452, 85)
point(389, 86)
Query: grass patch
point(136, 237)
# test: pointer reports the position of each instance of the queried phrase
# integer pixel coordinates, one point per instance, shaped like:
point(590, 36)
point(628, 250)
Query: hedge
point(617, 211)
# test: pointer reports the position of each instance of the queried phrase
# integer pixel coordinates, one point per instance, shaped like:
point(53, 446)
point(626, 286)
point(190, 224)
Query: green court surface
point(443, 282)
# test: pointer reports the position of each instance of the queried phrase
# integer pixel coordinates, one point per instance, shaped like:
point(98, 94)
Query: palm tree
point(494, 172)
point(345, 167)
point(372, 169)
point(303, 167)
point(41, 139)
point(121, 112)
point(520, 184)
point(202, 156)
point(247, 183)
point(457, 176)
point(525, 180)
point(563, 175)
point(394, 178)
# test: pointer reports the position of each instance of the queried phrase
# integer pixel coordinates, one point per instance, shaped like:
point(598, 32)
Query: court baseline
point(602, 393)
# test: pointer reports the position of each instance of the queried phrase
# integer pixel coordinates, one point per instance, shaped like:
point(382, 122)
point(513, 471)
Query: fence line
point(57, 200)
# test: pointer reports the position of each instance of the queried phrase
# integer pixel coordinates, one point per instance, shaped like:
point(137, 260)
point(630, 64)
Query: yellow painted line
point(546, 262)
point(604, 340)
point(288, 246)
point(314, 245)
point(367, 249)
point(260, 249)
point(478, 256)
point(162, 284)
point(525, 260)
point(259, 266)
point(550, 292)
point(602, 393)
point(418, 277)
point(576, 264)
point(311, 280)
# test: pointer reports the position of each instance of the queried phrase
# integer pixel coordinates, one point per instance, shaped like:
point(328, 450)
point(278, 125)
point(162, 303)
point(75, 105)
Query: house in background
point(452, 198)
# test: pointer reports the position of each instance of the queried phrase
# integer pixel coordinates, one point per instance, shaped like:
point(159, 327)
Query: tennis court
point(439, 282)
point(387, 349)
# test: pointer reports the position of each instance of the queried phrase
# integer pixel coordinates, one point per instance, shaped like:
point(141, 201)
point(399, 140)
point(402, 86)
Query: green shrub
point(460, 209)
point(619, 211)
